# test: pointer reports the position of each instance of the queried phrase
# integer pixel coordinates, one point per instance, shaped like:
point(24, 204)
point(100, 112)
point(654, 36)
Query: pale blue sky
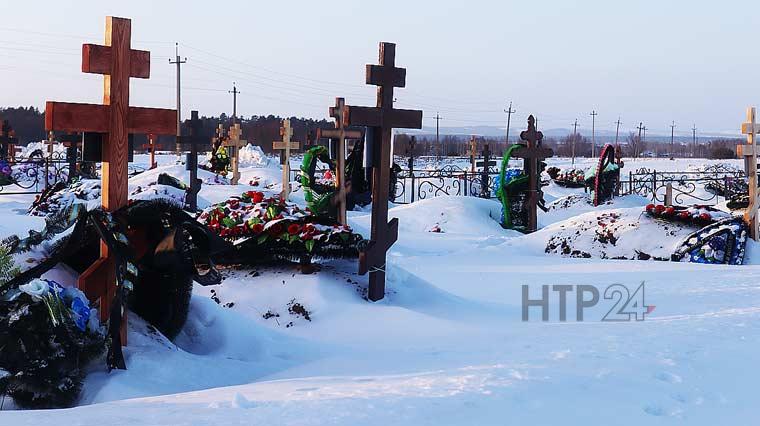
point(651, 61)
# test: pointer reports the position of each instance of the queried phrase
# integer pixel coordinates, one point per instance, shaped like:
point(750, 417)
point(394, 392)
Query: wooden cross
point(340, 134)
point(8, 142)
point(532, 155)
point(191, 164)
point(284, 146)
point(473, 153)
point(72, 142)
point(749, 152)
point(485, 191)
point(382, 120)
point(115, 119)
point(233, 144)
point(410, 151)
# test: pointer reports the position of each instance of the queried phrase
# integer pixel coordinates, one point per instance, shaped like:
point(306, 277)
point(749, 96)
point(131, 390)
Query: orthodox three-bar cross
point(381, 120)
point(340, 134)
point(233, 143)
point(749, 152)
point(284, 146)
point(115, 119)
point(532, 154)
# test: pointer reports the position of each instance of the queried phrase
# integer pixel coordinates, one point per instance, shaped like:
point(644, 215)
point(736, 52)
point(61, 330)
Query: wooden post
point(284, 146)
point(381, 120)
point(152, 147)
point(473, 153)
point(532, 155)
point(340, 134)
point(233, 144)
point(115, 119)
point(668, 194)
point(749, 152)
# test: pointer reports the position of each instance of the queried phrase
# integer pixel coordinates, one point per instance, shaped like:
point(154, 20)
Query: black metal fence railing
point(710, 185)
point(31, 175)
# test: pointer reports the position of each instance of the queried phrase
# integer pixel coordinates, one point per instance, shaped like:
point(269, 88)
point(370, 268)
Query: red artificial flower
point(705, 216)
point(276, 229)
point(257, 228)
point(669, 211)
point(650, 207)
point(659, 209)
point(683, 215)
point(294, 228)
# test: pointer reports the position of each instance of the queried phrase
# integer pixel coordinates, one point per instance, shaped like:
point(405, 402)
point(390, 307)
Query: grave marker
point(382, 119)
point(8, 142)
point(284, 146)
point(152, 147)
point(191, 164)
point(72, 142)
point(114, 119)
point(485, 191)
point(532, 155)
point(749, 152)
point(473, 153)
point(340, 134)
point(233, 143)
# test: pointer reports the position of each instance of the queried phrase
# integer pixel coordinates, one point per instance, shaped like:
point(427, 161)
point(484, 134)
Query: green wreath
point(507, 193)
point(317, 195)
point(220, 161)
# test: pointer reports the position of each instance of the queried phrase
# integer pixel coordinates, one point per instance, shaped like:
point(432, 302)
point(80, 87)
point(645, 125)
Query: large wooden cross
point(532, 155)
point(284, 146)
point(233, 143)
point(340, 134)
point(749, 152)
point(115, 119)
point(191, 164)
point(382, 120)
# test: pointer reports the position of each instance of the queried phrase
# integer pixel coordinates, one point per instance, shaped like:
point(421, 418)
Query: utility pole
point(234, 92)
point(672, 137)
point(694, 139)
point(509, 112)
point(575, 136)
point(641, 141)
point(617, 132)
point(437, 141)
point(593, 133)
point(178, 62)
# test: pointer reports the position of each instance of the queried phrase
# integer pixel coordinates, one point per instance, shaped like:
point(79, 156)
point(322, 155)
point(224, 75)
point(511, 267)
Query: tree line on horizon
point(29, 125)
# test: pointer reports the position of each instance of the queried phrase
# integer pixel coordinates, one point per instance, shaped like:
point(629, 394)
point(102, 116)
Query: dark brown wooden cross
point(72, 142)
point(486, 164)
point(195, 139)
point(340, 134)
point(473, 153)
point(115, 119)
point(382, 120)
point(8, 142)
point(532, 155)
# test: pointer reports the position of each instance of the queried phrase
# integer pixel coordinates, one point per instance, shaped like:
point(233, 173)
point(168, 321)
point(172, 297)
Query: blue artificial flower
point(80, 313)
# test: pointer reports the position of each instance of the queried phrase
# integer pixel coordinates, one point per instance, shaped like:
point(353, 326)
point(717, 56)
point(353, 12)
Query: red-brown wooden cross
point(116, 120)
point(381, 119)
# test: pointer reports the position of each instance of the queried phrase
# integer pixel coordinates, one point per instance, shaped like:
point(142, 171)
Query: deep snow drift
point(447, 345)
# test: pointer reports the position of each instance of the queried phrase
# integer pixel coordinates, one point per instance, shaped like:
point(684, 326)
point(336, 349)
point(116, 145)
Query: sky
point(651, 61)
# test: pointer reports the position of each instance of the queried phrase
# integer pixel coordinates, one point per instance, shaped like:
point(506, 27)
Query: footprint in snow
point(668, 377)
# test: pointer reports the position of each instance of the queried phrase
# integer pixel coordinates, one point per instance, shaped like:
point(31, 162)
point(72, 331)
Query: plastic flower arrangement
point(697, 215)
point(271, 221)
point(48, 334)
point(5, 173)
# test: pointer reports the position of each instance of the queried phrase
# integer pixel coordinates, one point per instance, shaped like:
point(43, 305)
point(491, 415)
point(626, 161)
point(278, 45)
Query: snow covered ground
point(448, 344)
